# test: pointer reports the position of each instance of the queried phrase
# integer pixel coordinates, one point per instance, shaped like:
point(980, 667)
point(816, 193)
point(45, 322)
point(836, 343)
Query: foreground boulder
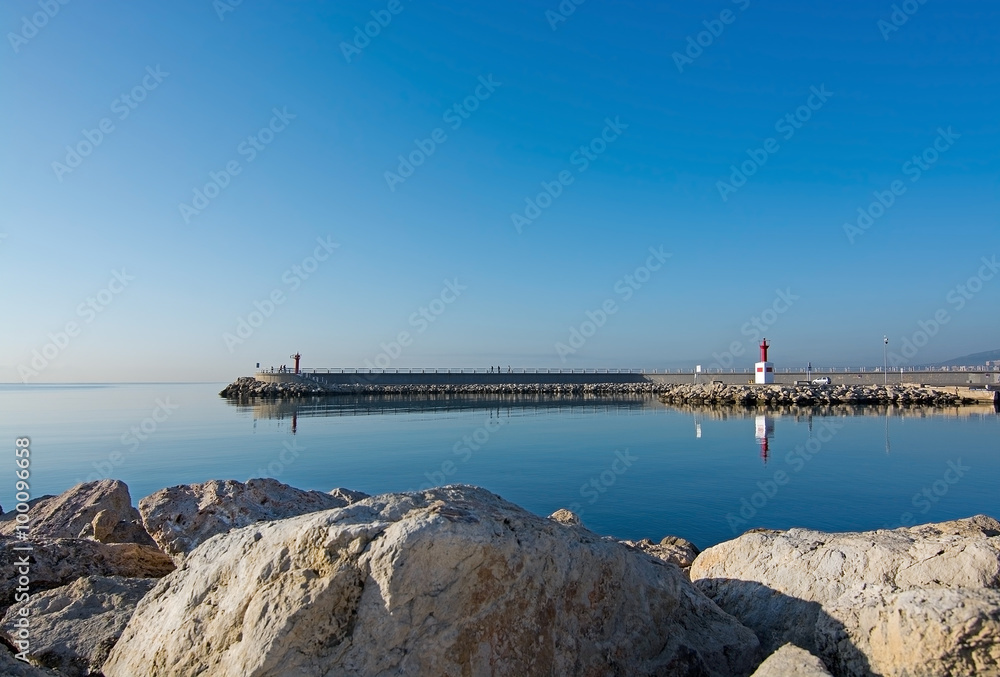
point(74, 627)
point(181, 518)
point(914, 601)
point(101, 511)
point(58, 562)
point(452, 581)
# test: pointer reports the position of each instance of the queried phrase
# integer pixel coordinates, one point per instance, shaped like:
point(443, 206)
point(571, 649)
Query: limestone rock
point(673, 549)
point(74, 627)
point(58, 562)
point(841, 595)
point(918, 633)
point(100, 510)
point(12, 667)
point(791, 661)
point(451, 581)
point(182, 517)
point(564, 516)
point(347, 495)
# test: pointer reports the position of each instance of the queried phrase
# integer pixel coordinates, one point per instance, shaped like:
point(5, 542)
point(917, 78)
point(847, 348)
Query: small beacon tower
point(764, 370)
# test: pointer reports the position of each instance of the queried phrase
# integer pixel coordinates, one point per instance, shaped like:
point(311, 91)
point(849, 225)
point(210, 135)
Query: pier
point(443, 376)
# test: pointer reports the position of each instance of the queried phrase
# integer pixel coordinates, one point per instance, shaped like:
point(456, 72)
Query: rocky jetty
point(716, 394)
point(275, 581)
point(775, 395)
point(248, 388)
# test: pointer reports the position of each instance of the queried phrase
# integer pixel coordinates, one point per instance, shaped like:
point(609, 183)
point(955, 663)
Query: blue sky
point(107, 277)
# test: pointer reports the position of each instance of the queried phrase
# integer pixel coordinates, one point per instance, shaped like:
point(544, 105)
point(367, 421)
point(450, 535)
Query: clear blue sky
point(674, 123)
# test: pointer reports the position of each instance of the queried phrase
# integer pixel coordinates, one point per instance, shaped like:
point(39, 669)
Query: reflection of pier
point(722, 412)
point(362, 405)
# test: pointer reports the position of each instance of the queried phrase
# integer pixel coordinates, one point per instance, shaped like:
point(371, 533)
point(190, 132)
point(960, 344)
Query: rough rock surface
point(810, 395)
point(12, 667)
point(61, 561)
point(101, 511)
point(674, 549)
point(564, 516)
point(182, 517)
point(852, 598)
point(74, 627)
point(791, 661)
point(452, 581)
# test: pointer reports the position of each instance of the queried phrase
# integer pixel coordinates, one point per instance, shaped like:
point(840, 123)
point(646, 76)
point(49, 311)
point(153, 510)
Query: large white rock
point(182, 517)
point(791, 661)
point(852, 598)
point(452, 581)
point(74, 627)
point(101, 511)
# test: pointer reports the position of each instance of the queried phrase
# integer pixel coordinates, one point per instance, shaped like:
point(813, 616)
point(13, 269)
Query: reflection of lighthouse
point(764, 432)
point(763, 370)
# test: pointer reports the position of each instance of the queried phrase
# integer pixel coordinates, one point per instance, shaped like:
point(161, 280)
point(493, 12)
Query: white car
point(822, 381)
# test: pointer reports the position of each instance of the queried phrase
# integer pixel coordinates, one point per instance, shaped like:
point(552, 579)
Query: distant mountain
point(973, 360)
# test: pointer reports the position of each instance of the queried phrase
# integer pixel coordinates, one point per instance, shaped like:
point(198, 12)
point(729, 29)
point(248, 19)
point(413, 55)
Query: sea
point(629, 466)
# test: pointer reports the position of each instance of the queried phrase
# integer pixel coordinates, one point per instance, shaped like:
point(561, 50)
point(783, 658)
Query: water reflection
point(522, 404)
point(365, 405)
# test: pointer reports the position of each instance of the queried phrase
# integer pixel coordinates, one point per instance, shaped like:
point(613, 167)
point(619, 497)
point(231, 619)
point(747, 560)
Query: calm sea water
point(632, 467)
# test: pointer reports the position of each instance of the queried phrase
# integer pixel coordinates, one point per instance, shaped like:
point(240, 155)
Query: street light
point(885, 361)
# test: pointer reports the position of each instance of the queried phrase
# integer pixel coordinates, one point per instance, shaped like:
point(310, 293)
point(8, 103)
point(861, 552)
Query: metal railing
point(689, 372)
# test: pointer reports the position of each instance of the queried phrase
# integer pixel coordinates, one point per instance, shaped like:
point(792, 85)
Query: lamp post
point(885, 360)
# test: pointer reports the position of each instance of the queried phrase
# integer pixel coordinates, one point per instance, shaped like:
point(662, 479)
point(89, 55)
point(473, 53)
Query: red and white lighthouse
point(764, 370)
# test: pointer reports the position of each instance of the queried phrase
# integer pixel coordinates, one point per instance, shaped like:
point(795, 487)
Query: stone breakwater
point(455, 580)
point(702, 393)
point(785, 395)
point(248, 387)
